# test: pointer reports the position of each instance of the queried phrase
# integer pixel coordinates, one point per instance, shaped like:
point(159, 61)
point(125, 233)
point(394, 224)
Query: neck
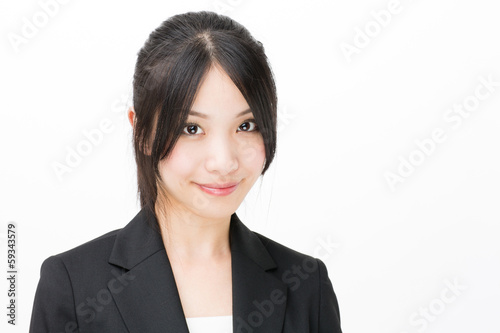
point(194, 238)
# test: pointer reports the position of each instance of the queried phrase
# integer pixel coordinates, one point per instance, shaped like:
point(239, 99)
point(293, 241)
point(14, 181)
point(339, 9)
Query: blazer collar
point(150, 302)
point(138, 240)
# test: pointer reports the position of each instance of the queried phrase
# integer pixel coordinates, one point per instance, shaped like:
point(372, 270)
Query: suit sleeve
point(329, 314)
point(53, 307)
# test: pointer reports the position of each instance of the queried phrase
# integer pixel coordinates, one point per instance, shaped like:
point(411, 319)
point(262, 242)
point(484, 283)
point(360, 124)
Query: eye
point(249, 126)
point(191, 129)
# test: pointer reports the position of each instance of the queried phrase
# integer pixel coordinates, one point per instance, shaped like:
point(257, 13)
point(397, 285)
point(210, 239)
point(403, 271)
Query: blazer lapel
point(259, 298)
point(150, 302)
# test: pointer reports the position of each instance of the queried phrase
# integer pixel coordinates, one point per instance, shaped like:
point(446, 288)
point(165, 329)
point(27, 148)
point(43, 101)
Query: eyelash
point(256, 128)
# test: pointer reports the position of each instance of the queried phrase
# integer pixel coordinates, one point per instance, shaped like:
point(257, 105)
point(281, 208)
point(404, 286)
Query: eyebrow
point(202, 115)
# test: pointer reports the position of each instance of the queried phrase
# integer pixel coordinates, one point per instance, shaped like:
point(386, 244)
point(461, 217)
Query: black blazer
point(122, 281)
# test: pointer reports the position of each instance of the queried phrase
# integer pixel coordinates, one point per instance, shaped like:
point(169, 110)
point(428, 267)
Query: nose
point(222, 155)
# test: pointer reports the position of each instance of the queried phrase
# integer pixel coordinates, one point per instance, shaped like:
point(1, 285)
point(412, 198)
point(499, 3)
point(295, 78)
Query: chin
point(217, 207)
point(215, 214)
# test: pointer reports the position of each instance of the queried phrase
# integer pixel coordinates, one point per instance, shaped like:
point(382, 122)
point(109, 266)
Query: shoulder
point(81, 260)
point(94, 248)
point(293, 267)
point(281, 253)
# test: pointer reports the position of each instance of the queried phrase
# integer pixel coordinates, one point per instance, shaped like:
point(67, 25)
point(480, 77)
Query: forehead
point(217, 95)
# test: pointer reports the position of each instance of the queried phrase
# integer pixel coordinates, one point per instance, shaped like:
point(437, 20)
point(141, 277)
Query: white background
point(345, 122)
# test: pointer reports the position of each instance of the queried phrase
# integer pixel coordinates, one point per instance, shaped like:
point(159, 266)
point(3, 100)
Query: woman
point(204, 124)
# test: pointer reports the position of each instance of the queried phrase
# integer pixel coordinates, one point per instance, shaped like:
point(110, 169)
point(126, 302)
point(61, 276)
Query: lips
point(219, 189)
point(219, 186)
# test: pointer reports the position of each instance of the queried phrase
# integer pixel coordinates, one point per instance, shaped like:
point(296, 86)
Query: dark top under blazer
point(122, 281)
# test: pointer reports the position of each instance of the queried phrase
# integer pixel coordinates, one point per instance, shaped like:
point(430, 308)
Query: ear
point(131, 116)
point(132, 119)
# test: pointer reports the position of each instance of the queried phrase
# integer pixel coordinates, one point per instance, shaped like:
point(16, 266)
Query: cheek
point(252, 154)
point(178, 166)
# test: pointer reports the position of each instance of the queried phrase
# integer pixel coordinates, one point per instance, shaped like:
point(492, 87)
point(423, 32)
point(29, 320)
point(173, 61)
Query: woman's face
point(220, 146)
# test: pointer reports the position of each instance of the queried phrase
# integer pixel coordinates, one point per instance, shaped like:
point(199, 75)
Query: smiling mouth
point(219, 189)
point(219, 186)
